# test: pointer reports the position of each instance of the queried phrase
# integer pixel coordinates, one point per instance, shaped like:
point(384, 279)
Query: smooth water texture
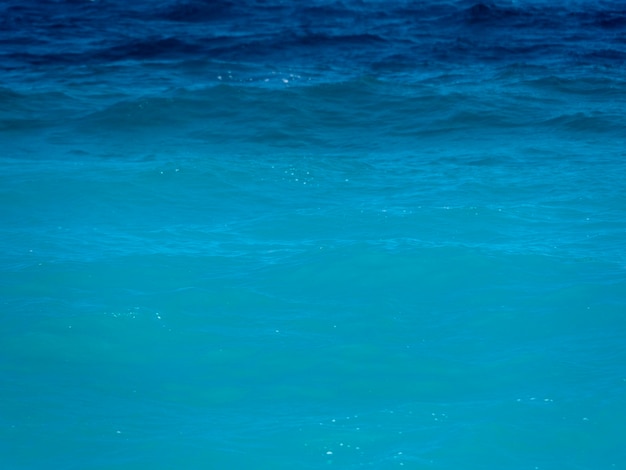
point(286, 235)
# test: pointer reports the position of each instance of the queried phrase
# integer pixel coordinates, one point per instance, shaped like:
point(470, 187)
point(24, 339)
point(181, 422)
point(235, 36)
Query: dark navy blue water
point(281, 235)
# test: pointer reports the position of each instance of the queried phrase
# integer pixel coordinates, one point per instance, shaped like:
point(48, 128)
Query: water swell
point(451, 32)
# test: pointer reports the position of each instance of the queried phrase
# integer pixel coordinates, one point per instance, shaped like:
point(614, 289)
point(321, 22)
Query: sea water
point(285, 235)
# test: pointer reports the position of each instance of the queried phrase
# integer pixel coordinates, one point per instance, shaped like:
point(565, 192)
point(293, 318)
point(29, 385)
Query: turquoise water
point(299, 312)
point(233, 262)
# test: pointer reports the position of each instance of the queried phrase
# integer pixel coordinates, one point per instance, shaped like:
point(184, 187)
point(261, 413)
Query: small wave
point(151, 48)
point(588, 123)
point(197, 11)
point(488, 13)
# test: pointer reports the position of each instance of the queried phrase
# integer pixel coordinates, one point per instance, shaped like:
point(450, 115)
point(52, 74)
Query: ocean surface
point(279, 235)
